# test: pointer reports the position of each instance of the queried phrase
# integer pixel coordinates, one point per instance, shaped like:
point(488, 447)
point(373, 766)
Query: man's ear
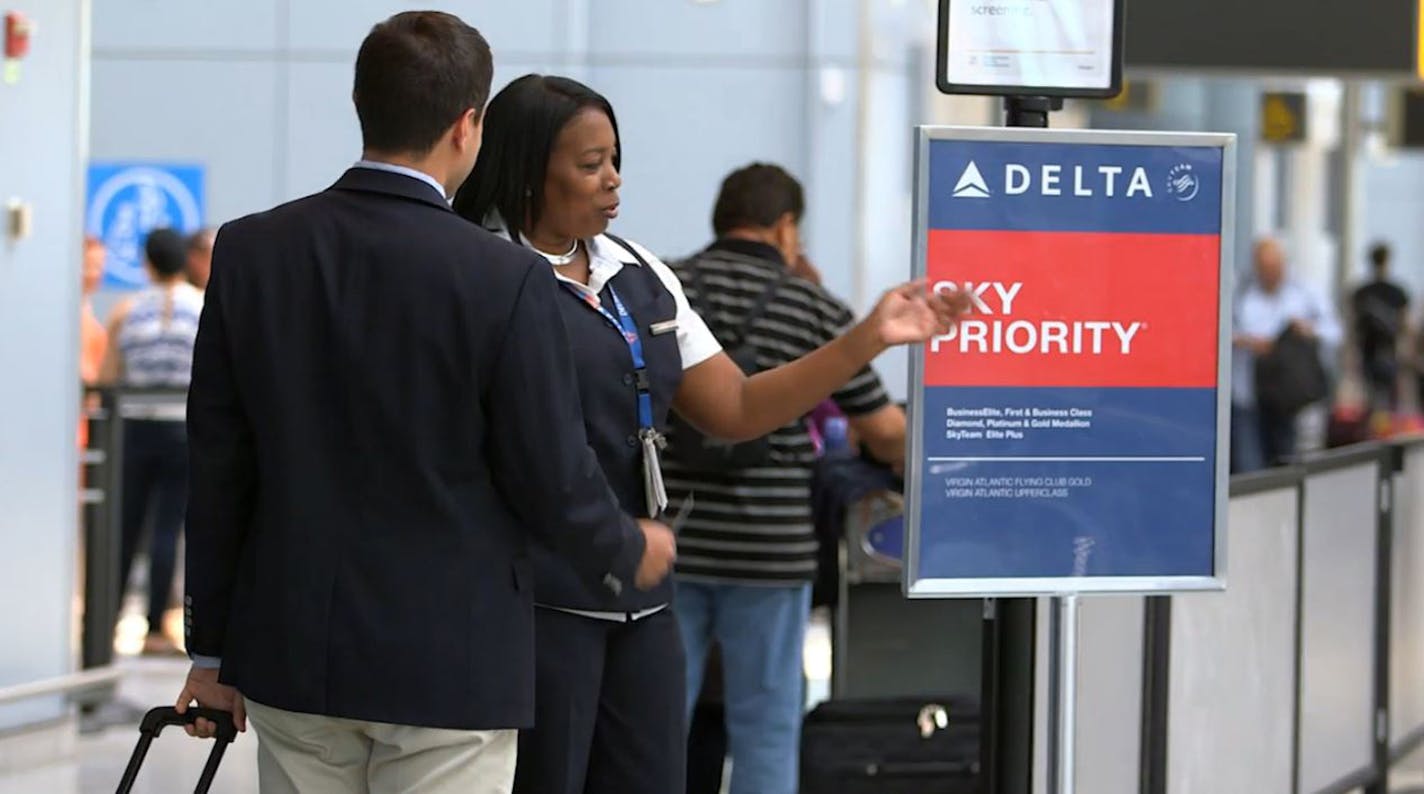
point(469, 130)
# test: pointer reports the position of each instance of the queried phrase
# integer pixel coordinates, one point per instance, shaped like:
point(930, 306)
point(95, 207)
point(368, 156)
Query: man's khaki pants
point(310, 754)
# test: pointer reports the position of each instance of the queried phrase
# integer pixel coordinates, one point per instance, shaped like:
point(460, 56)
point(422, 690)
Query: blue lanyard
point(628, 329)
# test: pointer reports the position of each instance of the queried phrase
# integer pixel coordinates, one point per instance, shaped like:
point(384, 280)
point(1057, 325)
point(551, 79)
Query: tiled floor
point(173, 764)
point(175, 761)
point(1408, 776)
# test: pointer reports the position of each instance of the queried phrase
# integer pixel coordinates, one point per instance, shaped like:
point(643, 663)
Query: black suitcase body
point(892, 746)
point(153, 724)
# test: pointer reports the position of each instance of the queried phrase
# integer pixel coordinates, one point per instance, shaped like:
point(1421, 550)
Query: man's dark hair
point(167, 251)
point(757, 196)
point(522, 123)
point(1379, 255)
point(416, 74)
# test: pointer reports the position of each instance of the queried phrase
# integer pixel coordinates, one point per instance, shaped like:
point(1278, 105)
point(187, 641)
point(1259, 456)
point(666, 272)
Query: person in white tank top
point(152, 336)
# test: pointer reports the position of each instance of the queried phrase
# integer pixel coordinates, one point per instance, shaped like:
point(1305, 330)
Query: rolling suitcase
point(153, 724)
point(892, 746)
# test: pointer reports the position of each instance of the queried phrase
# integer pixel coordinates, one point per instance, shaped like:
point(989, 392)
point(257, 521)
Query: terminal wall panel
point(1232, 663)
point(1395, 205)
point(731, 31)
point(1406, 689)
point(322, 135)
point(151, 26)
point(833, 27)
point(889, 170)
point(41, 145)
point(1338, 628)
point(216, 114)
point(525, 26)
point(675, 153)
point(829, 229)
point(1110, 634)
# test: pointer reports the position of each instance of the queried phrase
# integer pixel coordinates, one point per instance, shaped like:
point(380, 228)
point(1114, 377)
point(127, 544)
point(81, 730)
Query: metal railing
point(1306, 676)
point(105, 409)
point(1289, 681)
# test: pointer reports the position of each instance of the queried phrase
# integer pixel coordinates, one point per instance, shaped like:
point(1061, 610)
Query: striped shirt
point(753, 526)
point(157, 335)
point(156, 342)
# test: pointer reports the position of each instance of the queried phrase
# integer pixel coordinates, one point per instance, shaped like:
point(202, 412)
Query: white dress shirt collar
point(695, 342)
point(392, 168)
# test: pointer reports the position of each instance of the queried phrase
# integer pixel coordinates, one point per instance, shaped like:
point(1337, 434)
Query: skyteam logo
point(971, 183)
point(1183, 183)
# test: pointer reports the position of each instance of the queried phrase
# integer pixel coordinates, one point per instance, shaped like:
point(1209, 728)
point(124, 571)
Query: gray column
point(42, 147)
point(1233, 105)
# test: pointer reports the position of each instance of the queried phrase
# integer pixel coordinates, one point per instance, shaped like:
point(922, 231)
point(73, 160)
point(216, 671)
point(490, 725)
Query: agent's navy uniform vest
point(608, 389)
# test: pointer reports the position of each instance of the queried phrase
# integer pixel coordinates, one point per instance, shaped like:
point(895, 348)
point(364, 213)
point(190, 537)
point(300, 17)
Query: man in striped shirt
point(747, 552)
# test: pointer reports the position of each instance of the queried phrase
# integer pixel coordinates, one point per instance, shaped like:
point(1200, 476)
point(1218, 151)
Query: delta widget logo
point(971, 184)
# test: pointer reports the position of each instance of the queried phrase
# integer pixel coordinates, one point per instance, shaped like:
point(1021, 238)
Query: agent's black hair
point(521, 125)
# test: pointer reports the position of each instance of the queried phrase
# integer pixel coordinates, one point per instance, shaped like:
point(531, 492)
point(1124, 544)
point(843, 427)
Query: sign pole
point(1029, 111)
point(1033, 55)
point(1032, 111)
point(1046, 463)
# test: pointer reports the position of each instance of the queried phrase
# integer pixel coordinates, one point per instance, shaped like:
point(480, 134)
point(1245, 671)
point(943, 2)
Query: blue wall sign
point(125, 201)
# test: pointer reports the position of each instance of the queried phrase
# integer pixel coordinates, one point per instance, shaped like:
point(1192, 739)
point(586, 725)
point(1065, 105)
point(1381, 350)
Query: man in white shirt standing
point(1270, 304)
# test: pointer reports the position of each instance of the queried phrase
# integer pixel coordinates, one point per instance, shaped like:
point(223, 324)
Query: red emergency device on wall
point(17, 36)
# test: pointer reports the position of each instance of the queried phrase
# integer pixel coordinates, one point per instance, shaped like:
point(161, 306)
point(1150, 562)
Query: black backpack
point(693, 449)
point(1292, 375)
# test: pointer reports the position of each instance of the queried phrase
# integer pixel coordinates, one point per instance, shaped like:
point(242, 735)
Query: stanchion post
point(95, 504)
point(102, 585)
point(1007, 694)
point(1062, 693)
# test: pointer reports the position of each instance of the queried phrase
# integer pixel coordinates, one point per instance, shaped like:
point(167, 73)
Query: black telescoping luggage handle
point(156, 720)
point(920, 769)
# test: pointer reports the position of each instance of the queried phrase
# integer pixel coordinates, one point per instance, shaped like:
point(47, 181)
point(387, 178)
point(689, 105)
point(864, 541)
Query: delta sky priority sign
point(1069, 435)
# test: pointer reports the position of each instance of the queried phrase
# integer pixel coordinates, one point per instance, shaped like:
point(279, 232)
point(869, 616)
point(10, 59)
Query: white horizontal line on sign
point(1069, 460)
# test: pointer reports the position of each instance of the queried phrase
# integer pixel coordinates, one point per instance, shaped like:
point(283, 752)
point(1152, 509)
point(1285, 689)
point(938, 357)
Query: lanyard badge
point(651, 441)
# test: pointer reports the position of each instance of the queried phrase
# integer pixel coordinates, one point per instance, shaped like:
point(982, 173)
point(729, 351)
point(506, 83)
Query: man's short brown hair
point(417, 73)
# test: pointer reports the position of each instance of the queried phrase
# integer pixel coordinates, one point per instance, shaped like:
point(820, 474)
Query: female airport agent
point(610, 679)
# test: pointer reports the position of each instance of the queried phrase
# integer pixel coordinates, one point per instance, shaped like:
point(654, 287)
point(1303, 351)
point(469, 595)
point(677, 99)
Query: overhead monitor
point(1068, 48)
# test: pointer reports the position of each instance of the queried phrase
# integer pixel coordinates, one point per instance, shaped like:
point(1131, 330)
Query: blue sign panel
point(125, 201)
point(1069, 434)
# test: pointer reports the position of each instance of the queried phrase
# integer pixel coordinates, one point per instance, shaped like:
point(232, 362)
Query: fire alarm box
point(17, 36)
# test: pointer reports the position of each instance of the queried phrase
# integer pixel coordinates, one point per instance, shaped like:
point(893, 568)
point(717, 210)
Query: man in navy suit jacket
point(383, 414)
